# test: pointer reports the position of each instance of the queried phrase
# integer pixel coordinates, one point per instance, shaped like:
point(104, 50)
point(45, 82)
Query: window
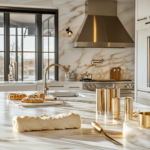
point(32, 43)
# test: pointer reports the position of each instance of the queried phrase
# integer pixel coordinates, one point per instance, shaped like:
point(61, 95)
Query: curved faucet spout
point(63, 67)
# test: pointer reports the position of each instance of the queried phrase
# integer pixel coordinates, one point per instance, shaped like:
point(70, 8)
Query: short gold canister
point(144, 119)
point(116, 107)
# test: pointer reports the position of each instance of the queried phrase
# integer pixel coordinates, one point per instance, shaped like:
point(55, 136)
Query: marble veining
point(72, 14)
point(84, 138)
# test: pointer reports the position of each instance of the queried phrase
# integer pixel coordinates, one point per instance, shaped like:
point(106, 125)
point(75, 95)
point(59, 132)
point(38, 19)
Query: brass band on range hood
point(144, 119)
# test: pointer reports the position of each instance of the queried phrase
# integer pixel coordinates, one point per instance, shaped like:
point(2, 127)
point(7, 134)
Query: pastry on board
point(32, 100)
point(46, 122)
point(37, 95)
point(16, 96)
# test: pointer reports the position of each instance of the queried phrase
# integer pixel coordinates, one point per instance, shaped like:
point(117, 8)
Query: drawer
point(74, 87)
point(57, 87)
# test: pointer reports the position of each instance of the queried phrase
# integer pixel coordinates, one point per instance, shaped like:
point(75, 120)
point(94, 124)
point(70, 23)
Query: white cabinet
point(17, 87)
point(142, 57)
point(142, 10)
point(142, 14)
point(61, 86)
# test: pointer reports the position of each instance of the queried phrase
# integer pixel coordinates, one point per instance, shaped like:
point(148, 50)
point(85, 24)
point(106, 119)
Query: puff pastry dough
point(37, 95)
point(46, 122)
point(16, 96)
point(32, 100)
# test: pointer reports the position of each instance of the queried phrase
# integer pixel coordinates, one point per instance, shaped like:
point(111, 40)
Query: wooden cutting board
point(115, 73)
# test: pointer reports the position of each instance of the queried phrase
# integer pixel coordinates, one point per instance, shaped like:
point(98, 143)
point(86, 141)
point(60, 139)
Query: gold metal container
point(128, 108)
point(99, 102)
point(116, 107)
point(112, 95)
point(107, 100)
point(117, 92)
point(144, 119)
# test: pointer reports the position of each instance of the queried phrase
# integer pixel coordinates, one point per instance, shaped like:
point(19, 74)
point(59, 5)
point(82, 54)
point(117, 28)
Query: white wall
point(72, 13)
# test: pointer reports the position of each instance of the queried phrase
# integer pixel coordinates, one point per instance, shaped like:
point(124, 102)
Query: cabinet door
point(142, 58)
point(142, 9)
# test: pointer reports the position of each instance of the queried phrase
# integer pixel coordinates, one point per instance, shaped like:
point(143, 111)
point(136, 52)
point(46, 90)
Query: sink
point(65, 94)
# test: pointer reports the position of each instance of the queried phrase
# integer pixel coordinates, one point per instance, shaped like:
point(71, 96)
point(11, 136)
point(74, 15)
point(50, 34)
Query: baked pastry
point(32, 100)
point(46, 122)
point(16, 96)
point(37, 95)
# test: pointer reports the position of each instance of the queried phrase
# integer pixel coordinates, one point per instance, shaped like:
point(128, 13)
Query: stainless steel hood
point(102, 28)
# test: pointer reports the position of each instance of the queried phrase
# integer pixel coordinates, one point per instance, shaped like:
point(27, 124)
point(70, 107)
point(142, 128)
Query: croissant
point(32, 100)
point(16, 96)
point(37, 95)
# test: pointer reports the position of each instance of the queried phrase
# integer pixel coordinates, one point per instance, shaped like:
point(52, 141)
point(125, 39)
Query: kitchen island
point(84, 138)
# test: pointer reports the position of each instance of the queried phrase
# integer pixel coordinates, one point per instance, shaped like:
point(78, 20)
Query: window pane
point(19, 31)
point(12, 56)
point(19, 43)
point(29, 43)
point(19, 66)
point(12, 31)
point(45, 44)
point(45, 63)
point(51, 44)
point(52, 69)
point(2, 66)
point(1, 43)
point(29, 66)
point(52, 26)
point(12, 43)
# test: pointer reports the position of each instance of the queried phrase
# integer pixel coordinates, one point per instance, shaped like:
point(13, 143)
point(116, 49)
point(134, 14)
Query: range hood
point(101, 27)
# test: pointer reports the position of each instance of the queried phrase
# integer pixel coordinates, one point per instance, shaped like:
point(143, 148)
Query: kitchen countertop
point(84, 138)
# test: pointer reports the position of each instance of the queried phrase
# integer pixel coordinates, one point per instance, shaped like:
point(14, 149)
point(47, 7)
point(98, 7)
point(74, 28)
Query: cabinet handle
point(143, 91)
point(73, 87)
point(142, 19)
point(147, 23)
point(55, 86)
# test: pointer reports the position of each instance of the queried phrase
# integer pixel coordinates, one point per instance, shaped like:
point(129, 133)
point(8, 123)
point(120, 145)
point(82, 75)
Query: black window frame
point(7, 10)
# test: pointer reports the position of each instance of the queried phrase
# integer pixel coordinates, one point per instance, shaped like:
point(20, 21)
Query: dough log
point(46, 122)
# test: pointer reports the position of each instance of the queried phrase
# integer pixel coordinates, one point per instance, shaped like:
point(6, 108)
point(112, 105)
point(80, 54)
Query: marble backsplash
point(72, 14)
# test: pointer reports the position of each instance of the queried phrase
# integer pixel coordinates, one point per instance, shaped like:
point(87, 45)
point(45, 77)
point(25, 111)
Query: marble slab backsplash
point(72, 14)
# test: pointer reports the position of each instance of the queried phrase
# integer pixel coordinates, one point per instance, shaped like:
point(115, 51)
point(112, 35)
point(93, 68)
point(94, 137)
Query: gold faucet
point(63, 67)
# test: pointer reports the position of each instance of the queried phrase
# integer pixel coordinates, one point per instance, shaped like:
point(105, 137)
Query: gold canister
point(116, 107)
point(112, 95)
point(144, 119)
point(98, 99)
point(107, 101)
point(117, 92)
point(128, 108)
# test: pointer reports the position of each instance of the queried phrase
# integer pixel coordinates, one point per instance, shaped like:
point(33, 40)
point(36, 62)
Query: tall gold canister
point(100, 104)
point(116, 107)
point(128, 108)
point(107, 100)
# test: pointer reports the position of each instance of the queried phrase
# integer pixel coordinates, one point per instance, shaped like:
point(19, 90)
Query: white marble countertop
point(84, 138)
